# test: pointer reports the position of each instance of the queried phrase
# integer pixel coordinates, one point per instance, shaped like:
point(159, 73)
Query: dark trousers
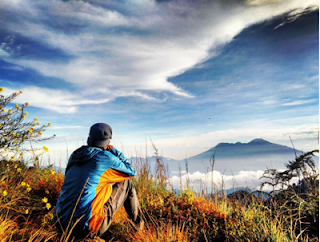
point(123, 193)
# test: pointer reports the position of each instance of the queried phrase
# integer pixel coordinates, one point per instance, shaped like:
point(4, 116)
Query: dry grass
point(26, 215)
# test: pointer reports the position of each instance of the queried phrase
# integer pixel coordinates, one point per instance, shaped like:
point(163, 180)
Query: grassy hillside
point(28, 196)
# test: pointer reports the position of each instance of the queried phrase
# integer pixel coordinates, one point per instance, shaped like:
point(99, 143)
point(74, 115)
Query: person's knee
point(125, 183)
point(129, 182)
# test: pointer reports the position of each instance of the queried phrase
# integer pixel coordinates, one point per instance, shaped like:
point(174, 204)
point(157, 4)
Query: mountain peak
point(259, 141)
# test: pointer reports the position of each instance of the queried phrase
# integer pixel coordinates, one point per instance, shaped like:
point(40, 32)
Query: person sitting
point(97, 183)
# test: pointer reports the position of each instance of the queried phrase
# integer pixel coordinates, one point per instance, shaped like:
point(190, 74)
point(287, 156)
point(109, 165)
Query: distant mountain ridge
point(253, 148)
point(230, 158)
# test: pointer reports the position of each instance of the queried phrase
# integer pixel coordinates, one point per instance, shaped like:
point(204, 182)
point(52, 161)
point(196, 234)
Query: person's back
point(85, 194)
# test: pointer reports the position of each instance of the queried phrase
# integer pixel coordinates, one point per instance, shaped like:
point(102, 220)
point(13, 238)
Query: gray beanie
point(99, 135)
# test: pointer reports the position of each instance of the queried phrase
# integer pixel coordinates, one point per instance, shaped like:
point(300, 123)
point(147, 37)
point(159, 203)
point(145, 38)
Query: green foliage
point(150, 189)
point(188, 195)
point(297, 205)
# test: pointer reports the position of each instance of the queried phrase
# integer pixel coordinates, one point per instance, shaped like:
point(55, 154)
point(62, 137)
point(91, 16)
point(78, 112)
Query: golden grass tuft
point(7, 228)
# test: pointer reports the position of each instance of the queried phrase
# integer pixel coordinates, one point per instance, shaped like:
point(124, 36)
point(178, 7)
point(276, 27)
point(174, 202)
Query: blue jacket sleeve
point(121, 163)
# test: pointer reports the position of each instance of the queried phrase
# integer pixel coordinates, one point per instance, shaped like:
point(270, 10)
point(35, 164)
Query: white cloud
point(299, 102)
point(164, 40)
point(64, 101)
point(57, 100)
point(3, 52)
point(86, 12)
point(204, 180)
point(247, 179)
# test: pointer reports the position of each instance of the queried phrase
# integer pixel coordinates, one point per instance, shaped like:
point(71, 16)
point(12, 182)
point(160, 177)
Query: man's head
point(100, 135)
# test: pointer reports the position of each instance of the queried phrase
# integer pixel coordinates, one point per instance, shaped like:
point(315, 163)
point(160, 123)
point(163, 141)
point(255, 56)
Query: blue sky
point(188, 74)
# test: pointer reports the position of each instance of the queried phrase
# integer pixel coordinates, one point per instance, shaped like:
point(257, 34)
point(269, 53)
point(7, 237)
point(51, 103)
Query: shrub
point(28, 196)
point(15, 130)
point(296, 204)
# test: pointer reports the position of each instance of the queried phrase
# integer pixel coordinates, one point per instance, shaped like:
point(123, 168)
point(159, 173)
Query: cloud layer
point(116, 50)
point(215, 181)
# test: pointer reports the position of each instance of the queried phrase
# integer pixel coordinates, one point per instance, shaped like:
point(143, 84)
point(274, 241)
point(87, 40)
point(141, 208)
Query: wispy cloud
point(59, 101)
point(116, 48)
point(299, 102)
point(64, 101)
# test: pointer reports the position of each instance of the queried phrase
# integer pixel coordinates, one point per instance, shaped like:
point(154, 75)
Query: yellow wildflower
point(21, 154)
point(21, 91)
point(15, 141)
point(1, 89)
point(28, 189)
point(35, 119)
point(47, 192)
point(17, 106)
point(48, 206)
point(40, 133)
point(12, 159)
point(3, 110)
point(4, 193)
point(12, 133)
point(49, 124)
point(27, 211)
point(17, 134)
point(27, 104)
point(23, 116)
point(45, 148)
point(26, 113)
point(19, 170)
point(52, 172)
point(44, 200)
point(18, 150)
point(16, 166)
point(23, 184)
point(30, 131)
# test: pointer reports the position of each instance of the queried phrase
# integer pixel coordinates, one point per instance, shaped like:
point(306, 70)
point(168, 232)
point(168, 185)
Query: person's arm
point(120, 162)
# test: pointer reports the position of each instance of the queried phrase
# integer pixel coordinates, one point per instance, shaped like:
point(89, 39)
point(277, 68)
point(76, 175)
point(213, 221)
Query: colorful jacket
point(87, 186)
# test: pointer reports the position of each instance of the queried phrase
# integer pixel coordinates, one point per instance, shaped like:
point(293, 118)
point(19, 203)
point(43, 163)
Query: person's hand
point(108, 147)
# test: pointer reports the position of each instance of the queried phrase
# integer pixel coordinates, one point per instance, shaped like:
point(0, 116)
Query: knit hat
point(99, 135)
